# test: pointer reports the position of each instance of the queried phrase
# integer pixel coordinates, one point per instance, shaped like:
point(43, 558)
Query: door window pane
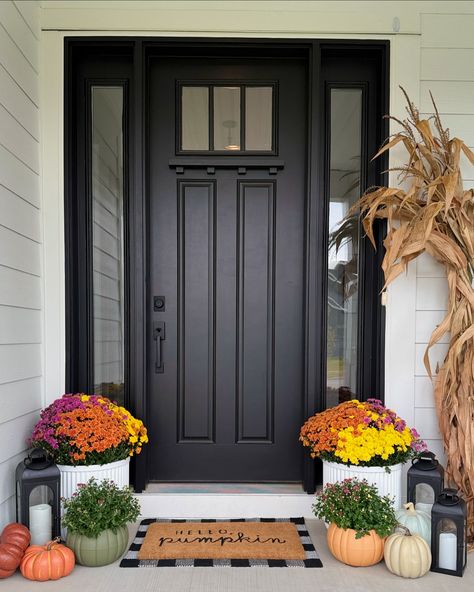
point(107, 252)
point(258, 117)
point(226, 118)
point(343, 257)
point(195, 118)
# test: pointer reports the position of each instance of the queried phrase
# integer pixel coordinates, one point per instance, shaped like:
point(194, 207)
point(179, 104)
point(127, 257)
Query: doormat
point(254, 542)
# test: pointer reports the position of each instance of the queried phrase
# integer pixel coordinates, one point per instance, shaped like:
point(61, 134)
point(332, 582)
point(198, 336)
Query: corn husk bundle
point(435, 214)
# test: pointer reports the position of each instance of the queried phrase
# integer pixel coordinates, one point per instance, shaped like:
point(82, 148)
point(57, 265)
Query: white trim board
point(228, 16)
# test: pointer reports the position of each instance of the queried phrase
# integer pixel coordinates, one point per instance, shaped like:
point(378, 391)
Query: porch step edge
point(204, 505)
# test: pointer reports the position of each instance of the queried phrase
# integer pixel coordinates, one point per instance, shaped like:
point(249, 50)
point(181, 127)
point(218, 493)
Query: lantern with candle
point(38, 496)
point(448, 534)
point(425, 479)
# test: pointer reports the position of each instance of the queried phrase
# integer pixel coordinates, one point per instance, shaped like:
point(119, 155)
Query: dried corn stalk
point(434, 214)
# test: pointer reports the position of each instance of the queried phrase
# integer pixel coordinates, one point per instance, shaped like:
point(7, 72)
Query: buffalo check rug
point(252, 542)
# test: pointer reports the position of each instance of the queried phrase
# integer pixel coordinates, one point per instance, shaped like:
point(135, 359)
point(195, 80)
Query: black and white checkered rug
point(312, 558)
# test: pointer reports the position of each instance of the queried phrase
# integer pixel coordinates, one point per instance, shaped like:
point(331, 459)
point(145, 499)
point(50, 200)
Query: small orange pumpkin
point(48, 562)
point(16, 534)
point(362, 552)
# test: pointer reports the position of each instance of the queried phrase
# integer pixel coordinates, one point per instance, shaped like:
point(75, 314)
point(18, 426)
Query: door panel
point(196, 297)
point(226, 250)
point(255, 320)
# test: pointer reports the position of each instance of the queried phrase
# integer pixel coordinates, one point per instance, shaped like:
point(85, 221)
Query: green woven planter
point(104, 549)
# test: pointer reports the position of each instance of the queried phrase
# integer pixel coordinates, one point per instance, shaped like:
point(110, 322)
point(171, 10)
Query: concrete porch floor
point(333, 577)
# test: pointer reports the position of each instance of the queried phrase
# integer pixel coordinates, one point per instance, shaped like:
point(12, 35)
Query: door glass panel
point(107, 251)
point(195, 118)
point(226, 118)
point(343, 257)
point(258, 117)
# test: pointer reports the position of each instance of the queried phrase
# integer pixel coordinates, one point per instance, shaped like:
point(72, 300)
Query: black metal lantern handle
point(449, 497)
point(38, 459)
point(426, 461)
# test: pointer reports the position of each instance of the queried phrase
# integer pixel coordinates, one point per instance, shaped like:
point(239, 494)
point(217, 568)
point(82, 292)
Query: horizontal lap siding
point(21, 365)
point(447, 70)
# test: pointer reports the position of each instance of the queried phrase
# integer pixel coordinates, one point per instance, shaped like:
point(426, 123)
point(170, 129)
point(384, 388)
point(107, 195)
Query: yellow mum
point(362, 446)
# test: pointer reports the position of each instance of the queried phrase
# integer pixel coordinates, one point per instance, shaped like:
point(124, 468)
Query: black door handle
point(158, 336)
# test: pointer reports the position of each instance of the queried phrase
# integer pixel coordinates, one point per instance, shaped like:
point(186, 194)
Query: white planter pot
point(118, 472)
point(386, 483)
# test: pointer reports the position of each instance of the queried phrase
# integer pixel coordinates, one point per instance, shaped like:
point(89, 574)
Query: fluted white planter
point(387, 483)
point(118, 472)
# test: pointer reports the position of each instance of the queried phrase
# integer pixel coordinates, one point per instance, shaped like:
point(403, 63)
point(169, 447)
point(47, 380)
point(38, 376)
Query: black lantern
point(425, 480)
point(38, 480)
point(448, 534)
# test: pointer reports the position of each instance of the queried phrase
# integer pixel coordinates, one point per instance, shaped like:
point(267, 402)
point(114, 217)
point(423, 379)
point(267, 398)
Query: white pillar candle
point(40, 524)
point(447, 550)
point(422, 507)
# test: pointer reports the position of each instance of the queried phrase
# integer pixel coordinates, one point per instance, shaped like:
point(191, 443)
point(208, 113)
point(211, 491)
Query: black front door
point(226, 196)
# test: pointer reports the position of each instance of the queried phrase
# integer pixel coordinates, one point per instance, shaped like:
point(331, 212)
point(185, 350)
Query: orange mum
point(91, 430)
point(320, 432)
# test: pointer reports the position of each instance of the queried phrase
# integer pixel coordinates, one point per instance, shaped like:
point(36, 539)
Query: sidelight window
point(227, 118)
point(344, 188)
point(107, 195)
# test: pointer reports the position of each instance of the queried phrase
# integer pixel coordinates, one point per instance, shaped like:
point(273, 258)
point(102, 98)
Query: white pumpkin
point(407, 555)
point(417, 521)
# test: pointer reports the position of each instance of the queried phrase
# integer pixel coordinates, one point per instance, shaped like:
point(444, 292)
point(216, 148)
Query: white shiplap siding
point(447, 70)
point(20, 241)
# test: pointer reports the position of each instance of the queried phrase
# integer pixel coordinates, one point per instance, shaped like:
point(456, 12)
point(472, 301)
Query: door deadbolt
point(159, 303)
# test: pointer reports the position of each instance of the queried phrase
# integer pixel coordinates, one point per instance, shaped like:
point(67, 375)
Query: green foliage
point(356, 504)
point(99, 505)
point(62, 454)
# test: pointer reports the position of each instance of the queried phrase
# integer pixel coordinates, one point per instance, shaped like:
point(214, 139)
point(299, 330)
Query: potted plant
point(96, 518)
point(359, 520)
point(89, 436)
point(365, 440)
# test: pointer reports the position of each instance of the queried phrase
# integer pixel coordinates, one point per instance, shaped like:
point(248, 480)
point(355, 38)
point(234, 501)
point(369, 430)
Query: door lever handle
point(159, 336)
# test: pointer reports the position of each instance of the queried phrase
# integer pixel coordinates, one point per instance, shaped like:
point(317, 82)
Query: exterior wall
point(431, 48)
point(447, 58)
point(21, 281)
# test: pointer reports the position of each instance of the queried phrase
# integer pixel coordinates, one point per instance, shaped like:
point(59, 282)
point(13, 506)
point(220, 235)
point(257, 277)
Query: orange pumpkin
point(16, 534)
point(49, 562)
point(13, 542)
point(10, 557)
point(343, 544)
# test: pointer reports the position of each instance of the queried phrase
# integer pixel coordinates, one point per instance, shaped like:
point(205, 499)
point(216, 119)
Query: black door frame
point(77, 227)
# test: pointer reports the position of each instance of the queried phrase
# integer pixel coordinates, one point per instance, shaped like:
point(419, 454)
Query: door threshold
point(226, 488)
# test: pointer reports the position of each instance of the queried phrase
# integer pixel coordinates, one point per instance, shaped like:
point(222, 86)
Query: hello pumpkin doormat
point(265, 542)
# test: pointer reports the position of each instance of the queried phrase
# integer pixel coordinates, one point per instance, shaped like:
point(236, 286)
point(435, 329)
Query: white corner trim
point(52, 184)
point(400, 323)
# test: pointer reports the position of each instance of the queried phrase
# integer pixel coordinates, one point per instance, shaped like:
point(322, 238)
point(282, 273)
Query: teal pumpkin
point(104, 549)
point(416, 521)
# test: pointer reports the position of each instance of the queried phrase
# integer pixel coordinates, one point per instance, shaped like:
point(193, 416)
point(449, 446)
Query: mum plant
point(356, 505)
point(79, 429)
point(98, 506)
point(360, 433)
